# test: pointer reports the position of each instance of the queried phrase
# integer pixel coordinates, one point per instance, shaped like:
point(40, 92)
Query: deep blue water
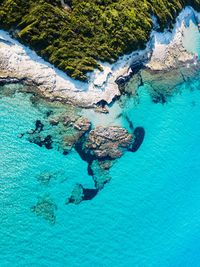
point(149, 213)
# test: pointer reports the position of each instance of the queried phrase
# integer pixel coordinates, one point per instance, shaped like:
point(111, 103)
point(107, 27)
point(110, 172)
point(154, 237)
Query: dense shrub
point(74, 39)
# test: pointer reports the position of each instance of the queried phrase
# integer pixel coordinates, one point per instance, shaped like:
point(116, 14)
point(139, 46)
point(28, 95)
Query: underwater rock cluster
point(65, 129)
point(46, 209)
point(100, 148)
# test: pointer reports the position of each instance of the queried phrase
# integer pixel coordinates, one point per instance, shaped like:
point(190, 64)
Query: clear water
point(148, 215)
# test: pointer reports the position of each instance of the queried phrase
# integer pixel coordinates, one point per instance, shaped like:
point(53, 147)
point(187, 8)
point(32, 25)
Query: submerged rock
point(46, 209)
point(100, 173)
point(100, 109)
point(108, 142)
point(162, 84)
point(38, 126)
point(40, 140)
point(45, 178)
point(139, 134)
point(76, 195)
point(80, 193)
point(89, 193)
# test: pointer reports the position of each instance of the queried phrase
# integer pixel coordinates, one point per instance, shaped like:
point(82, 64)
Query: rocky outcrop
point(99, 149)
point(169, 52)
point(108, 142)
point(82, 124)
point(19, 64)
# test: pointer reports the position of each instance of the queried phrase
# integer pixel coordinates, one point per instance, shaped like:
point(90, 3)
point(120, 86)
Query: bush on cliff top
point(74, 39)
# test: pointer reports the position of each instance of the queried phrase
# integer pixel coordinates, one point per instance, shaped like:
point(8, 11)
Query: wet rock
point(105, 164)
point(82, 124)
point(54, 121)
point(103, 110)
point(69, 140)
point(99, 149)
point(70, 129)
point(67, 121)
point(46, 209)
point(108, 142)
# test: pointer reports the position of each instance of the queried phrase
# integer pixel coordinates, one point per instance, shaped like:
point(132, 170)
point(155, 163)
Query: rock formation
point(108, 142)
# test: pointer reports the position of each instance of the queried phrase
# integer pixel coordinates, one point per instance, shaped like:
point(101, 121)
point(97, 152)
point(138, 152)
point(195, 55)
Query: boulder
point(82, 124)
point(108, 142)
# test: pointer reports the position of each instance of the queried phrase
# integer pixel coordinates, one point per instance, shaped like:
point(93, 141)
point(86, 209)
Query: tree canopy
point(74, 39)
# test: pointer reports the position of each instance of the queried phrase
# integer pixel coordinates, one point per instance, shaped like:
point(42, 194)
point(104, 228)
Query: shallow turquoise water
point(148, 215)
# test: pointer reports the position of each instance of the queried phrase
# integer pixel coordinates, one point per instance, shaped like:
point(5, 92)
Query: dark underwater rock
point(38, 126)
point(48, 142)
point(139, 134)
point(159, 98)
point(40, 140)
point(80, 193)
point(89, 194)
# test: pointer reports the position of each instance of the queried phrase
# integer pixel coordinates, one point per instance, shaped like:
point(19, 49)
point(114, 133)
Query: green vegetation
point(74, 39)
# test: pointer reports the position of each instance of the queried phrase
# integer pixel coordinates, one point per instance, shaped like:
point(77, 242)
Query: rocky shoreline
point(163, 65)
point(164, 53)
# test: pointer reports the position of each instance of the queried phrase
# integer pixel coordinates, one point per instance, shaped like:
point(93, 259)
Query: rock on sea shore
point(108, 142)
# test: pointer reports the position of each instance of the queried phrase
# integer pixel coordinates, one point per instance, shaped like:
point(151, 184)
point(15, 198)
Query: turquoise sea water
point(149, 213)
